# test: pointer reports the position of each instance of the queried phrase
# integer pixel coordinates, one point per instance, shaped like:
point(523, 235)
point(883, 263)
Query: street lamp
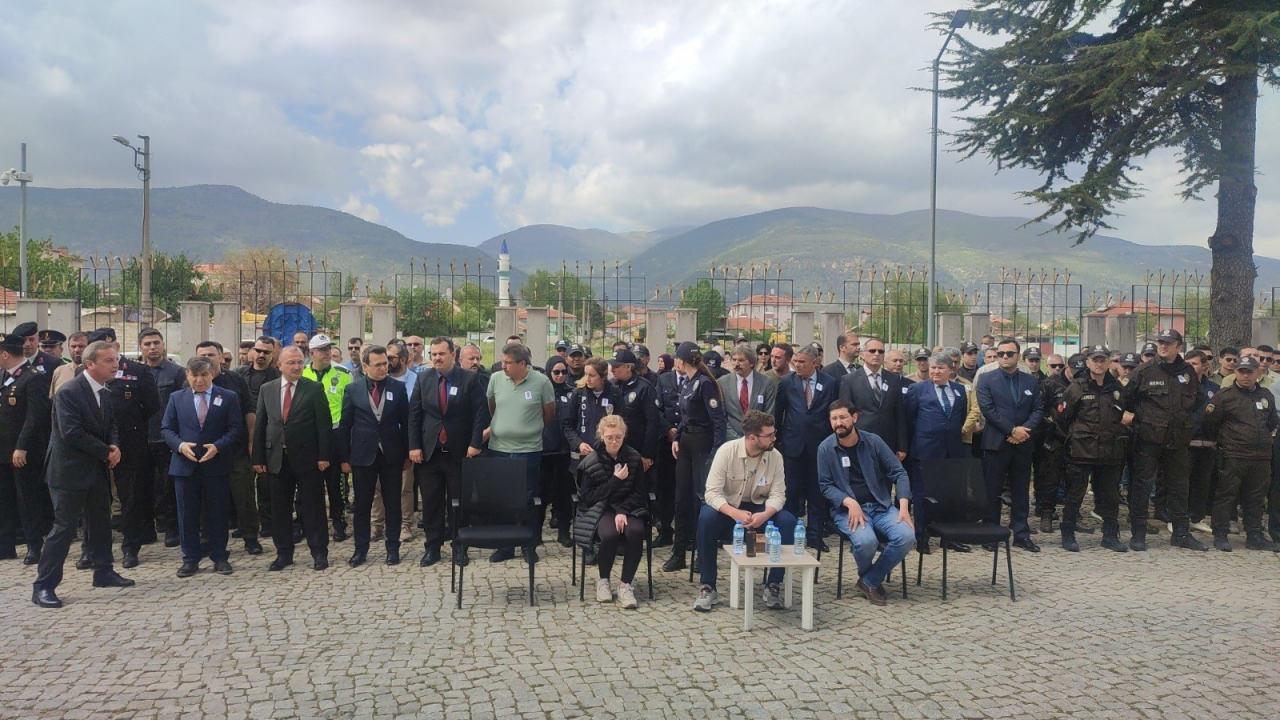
point(142, 161)
point(22, 177)
point(958, 20)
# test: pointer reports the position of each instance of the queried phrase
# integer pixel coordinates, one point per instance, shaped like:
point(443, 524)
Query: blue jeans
point(882, 523)
point(533, 484)
point(713, 525)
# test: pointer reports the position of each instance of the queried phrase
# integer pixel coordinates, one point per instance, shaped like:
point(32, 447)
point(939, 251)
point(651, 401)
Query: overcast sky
point(454, 121)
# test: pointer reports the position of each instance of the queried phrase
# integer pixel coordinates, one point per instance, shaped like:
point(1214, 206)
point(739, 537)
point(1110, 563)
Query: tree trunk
point(1233, 272)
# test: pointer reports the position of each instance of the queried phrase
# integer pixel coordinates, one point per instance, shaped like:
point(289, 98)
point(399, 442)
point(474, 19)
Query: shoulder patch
point(713, 403)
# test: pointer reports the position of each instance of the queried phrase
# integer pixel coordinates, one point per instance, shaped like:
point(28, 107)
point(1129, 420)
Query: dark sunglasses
point(873, 352)
point(1006, 353)
point(1056, 366)
point(557, 372)
point(264, 351)
point(353, 347)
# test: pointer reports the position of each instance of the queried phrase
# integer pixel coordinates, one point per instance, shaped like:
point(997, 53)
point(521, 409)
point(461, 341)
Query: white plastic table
point(747, 566)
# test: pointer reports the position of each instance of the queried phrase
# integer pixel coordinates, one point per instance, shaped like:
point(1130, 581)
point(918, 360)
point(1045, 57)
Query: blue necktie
point(1013, 388)
point(946, 400)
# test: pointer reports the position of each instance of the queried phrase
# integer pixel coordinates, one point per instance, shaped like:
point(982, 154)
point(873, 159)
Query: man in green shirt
point(334, 379)
point(521, 403)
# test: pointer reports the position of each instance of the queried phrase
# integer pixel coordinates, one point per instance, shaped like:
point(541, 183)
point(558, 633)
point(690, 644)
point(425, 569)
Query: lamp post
point(22, 177)
point(958, 19)
point(142, 161)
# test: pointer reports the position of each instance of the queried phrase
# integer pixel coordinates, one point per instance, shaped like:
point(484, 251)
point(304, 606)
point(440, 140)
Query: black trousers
point(1012, 464)
point(365, 478)
point(611, 539)
point(437, 481)
point(802, 491)
point(35, 507)
point(1049, 467)
point(1106, 495)
point(93, 504)
point(664, 485)
point(1203, 462)
point(559, 486)
point(1170, 465)
point(691, 481)
point(1245, 481)
point(308, 485)
point(137, 498)
point(335, 486)
point(243, 495)
point(9, 515)
point(166, 508)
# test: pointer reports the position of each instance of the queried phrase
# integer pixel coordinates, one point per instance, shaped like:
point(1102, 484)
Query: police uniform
point(134, 399)
point(667, 387)
point(1048, 460)
point(169, 377)
point(334, 381)
point(638, 405)
point(1202, 457)
point(1244, 423)
point(26, 512)
point(586, 408)
point(1095, 448)
point(701, 430)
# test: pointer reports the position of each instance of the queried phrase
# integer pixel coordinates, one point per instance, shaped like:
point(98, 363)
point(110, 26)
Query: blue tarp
point(287, 318)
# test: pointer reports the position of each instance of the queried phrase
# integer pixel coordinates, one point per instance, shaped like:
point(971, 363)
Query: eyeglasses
point(1006, 353)
point(874, 351)
point(557, 372)
point(1056, 366)
point(353, 347)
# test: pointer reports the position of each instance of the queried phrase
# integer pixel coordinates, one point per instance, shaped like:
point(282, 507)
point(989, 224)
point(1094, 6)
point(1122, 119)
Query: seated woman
point(613, 486)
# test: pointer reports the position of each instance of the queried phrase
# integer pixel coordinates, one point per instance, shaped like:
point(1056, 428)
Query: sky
point(454, 122)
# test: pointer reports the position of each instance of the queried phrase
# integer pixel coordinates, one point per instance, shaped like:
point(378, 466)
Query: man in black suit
point(1010, 403)
point(800, 414)
point(291, 442)
point(372, 442)
point(83, 449)
point(848, 348)
point(447, 418)
point(877, 394)
point(24, 433)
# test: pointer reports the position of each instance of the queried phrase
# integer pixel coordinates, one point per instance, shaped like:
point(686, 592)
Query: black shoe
point(664, 538)
point(530, 555)
point(1069, 541)
point(358, 559)
point(320, 562)
point(171, 539)
point(297, 536)
point(252, 546)
point(9, 553)
point(237, 533)
point(84, 563)
point(460, 556)
point(818, 544)
point(1112, 542)
point(1187, 541)
point(45, 598)
point(33, 555)
point(956, 546)
point(563, 538)
point(1138, 542)
point(1255, 541)
point(675, 562)
point(1027, 544)
point(393, 557)
point(990, 547)
point(279, 564)
point(130, 560)
point(1220, 542)
point(339, 533)
point(922, 547)
point(222, 567)
point(1046, 523)
point(430, 557)
point(111, 578)
point(1006, 500)
point(188, 569)
point(589, 555)
point(502, 555)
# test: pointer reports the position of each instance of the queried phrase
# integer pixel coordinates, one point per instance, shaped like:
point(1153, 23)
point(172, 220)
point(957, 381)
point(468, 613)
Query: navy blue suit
point(800, 430)
point(932, 435)
point(376, 445)
point(202, 489)
point(1008, 401)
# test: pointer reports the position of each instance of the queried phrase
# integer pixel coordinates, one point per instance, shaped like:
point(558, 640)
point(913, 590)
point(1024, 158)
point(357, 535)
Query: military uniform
point(134, 400)
point(1244, 423)
point(1095, 448)
point(26, 512)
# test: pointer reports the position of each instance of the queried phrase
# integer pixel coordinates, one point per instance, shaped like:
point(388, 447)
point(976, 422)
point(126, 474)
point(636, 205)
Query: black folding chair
point(493, 511)
point(956, 497)
point(581, 578)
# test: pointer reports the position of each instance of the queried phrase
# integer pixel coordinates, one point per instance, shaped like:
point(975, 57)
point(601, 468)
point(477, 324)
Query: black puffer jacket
point(598, 483)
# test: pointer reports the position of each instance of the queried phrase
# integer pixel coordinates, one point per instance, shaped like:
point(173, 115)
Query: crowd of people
point(299, 437)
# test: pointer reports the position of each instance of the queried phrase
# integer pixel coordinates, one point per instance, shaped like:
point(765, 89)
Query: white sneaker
point(1202, 526)
point(1170, 526)
point(707, 599)
point(1095, 516)
point(772, 597)
point(627, 596)
point(603, 593)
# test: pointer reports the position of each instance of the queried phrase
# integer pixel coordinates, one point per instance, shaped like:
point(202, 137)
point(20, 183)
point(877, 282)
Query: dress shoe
point(339, 533)
point(1220, 542)
point(1027, 544)
point(279, 564)
point(923, 547)
point(563, 538)
point(237, 533)
point(171, 539)
point(320, 563)
point(502, 555)
point(33, 555)
point(252, 546)
point(1255, 541)
point(393, 557)
point(1112, 542)
point(530, 555)
point(818, 544)
point(130, 560)
point(664, 538)
point(222, 567)
point(430, 557)
point(1069, 541)
point(45, 598)
point(188, 569)
point(460, 557)
point(111, 578)
point(675, 562)
point(9, 553)
point(876, 596)
point(358, 559)
point(1187, 541)
point(85, 562)
point(991, 547)
point(956, 546)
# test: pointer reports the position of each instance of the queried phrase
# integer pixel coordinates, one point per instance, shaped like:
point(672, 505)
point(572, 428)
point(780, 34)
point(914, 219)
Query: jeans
point(881, 524)
point(713, 525)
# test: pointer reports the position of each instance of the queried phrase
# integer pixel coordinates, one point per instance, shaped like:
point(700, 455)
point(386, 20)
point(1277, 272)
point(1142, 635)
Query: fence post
point(655, 334)
point(537, 330)
point(686, 325)
point(832, 328)
point(802, 327)
point(64, 316)
point(504, 325)
point(226, 324)
point(1266, 331)
point(1095, 331)
point(194, 326)
point(31, 310)
point(384, 323)
point(1122, 332)
point(976, 324)
point(950, 329)
point(351, 320)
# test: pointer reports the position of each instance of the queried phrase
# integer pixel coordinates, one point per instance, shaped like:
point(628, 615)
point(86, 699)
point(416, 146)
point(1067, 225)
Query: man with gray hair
point(935, 411)
point(800, 414)
point(744, 389)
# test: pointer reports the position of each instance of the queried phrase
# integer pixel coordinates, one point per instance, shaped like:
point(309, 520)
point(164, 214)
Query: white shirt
point(951, 393)
point(737, 384)
point(208, 399)
point(96, 387)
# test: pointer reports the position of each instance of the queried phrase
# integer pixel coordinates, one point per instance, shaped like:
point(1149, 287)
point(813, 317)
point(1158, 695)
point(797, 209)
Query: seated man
point(857, 473)
point(745, 485)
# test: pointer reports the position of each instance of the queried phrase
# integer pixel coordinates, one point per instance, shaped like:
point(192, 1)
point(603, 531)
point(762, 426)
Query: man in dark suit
point(447, 418)
point(848, 350)
point(291, 442)
point(745, 389)
point(24, 433)
point(202, 426)
point(934, 411)
point(83, 449)
point(373, 445)
point(800, 414)
point(1010, 403)
point(876, 395)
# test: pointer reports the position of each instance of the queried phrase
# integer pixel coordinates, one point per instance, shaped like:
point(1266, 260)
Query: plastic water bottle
point(775, 545)
point(799, 536)
point(739, 539)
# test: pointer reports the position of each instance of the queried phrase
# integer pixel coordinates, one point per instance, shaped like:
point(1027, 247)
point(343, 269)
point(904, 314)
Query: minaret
point(504, 276)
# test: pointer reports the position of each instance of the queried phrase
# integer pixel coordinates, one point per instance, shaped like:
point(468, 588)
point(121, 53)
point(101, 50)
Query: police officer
point(1090, 414)
point(1243, 420)
point(334, 379)
point(1203, 455)
point(1158, 402)
point(642, 368)
point(577, 356)
point(669, 385)
point(1048, 460)
point(592, 399)
point(24, 433)
point(700, 432)
point(169, 377)
point(31, 348)
point(638, 406)
point(715, 362)
point(134, 400)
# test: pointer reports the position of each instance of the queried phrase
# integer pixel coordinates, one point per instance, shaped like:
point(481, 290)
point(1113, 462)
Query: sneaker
point(1095, 516)
point(707, 599)
point(1202, 526)
point(627, 596)
point(603, 593)
point(772, 596)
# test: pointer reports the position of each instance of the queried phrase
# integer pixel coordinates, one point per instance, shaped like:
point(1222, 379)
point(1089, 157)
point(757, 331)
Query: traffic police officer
point(700, 432)
point(1243, 419)
point(134, 400)
point(334, 379)
point(1089, 412)
point(1158, 402)
point(24, 433)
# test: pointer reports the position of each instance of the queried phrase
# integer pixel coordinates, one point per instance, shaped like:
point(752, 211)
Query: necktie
point(876, 387)
point(1013, 389)
point(946, 400)
point(808, 394)
point(375, 393)
point(288, 401)
point(743, 398)
point(443, 436)
point(202, 408)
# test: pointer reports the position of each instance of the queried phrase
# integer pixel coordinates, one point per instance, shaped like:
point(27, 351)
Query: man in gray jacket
point(744, 389)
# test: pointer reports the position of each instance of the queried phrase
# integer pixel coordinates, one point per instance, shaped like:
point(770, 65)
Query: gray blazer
point(764, 392)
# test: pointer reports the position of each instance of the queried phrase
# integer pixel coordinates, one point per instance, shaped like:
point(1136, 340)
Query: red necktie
point(742, 396)
point(444, 406)
point(375, 393)
point(288, 400)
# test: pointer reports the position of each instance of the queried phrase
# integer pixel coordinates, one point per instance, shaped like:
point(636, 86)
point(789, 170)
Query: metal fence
point(1042, 307)
point(438, 298)
point(754, 301)
point(1178, 300)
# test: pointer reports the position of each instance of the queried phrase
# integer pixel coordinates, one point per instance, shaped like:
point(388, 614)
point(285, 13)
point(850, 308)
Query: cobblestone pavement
point(1165, 634)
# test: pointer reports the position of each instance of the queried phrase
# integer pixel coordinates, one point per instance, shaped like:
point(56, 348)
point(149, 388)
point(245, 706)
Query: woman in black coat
point(613, 485)
point(556, 479)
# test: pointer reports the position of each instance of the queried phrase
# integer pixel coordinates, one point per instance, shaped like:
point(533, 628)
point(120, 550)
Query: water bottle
point(799, 536)
point(739, 539)
point(775, 547)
